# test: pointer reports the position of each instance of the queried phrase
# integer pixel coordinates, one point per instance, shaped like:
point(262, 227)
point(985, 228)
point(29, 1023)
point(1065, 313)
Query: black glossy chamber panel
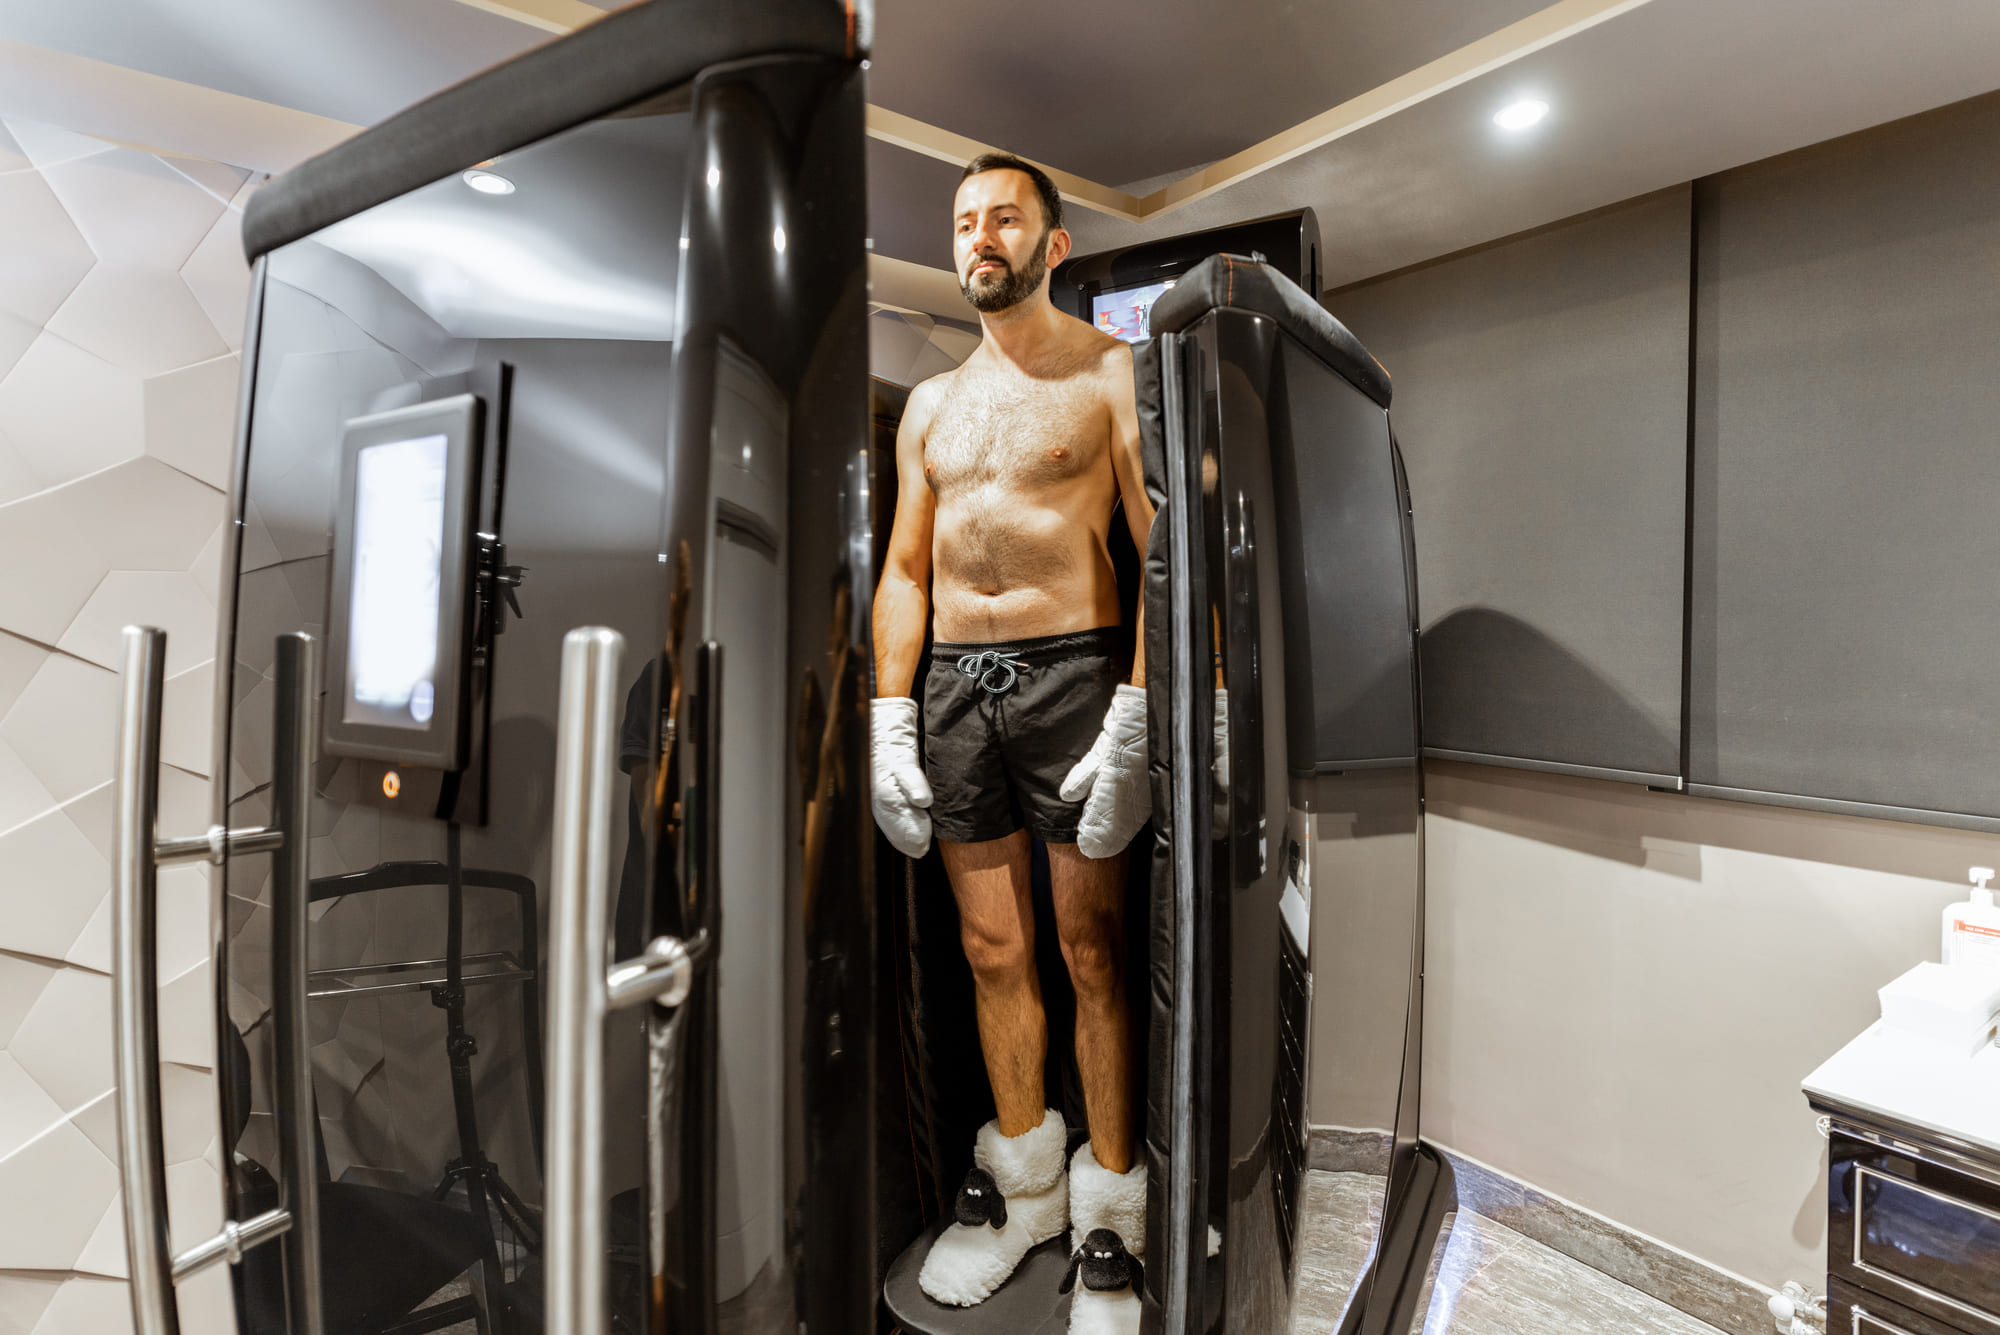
point(1301, 527)
point(665, 322)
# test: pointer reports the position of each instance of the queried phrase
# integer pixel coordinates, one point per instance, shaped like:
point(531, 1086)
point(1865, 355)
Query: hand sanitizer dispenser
point(1972, 929)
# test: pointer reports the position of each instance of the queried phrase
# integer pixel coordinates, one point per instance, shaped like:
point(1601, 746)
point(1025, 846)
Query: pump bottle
point(1972, 929)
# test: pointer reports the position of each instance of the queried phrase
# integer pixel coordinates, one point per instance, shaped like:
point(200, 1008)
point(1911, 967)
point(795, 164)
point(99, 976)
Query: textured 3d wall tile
point(122, 291)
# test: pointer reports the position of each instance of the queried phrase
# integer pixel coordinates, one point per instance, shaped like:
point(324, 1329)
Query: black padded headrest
point(629, 54)
point(1236, 283)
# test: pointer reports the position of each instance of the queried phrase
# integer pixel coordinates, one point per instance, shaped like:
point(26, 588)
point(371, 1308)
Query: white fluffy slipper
point(1107, 1240)
point(1015, 1197)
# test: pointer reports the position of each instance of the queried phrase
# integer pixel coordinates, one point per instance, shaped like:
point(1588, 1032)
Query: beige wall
point(1624, 989)
point(122, 287)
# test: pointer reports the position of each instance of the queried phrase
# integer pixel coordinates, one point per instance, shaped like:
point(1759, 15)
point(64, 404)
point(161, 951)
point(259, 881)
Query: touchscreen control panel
point(400, 597)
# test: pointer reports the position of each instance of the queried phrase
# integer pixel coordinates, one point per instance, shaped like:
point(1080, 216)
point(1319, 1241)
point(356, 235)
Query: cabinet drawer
point(1853, 1311)
point(1909, 1229)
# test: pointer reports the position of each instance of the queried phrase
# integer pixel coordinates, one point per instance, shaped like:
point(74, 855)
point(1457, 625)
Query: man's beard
point(1013, 286)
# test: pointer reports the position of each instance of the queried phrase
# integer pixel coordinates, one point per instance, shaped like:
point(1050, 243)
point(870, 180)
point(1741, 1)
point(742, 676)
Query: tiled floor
point(1491, 1280)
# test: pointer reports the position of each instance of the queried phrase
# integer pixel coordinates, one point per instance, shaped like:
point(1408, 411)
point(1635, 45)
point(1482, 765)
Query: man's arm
point(902, 598)
point(1127, 461)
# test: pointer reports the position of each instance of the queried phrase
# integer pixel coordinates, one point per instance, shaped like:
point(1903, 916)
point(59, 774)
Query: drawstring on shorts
point(981, 667)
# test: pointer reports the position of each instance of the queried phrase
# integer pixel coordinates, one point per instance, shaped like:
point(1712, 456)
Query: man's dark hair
point(1001, 162)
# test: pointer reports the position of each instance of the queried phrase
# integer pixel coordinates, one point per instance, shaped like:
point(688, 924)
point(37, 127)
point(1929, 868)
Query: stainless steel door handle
point(582, 989)
point(137, 853)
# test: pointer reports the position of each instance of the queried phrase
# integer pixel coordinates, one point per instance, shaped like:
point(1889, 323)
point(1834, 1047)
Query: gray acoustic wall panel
point(1541, 404)
point(1845, 642)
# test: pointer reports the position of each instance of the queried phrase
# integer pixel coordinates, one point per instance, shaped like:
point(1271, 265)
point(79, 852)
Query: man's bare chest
point(1015, 435)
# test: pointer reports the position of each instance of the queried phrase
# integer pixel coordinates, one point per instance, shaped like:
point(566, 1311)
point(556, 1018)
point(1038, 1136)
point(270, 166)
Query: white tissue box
point(1951, 1006)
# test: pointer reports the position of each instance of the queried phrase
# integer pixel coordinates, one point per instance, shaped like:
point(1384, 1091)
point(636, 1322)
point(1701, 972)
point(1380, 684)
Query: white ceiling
point(1669, 91)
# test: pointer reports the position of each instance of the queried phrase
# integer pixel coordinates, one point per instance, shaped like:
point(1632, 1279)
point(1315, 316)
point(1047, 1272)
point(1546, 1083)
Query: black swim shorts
point(1005, 723)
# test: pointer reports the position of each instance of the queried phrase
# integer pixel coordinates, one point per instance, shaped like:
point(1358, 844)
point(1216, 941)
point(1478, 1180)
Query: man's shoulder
point(930, 393)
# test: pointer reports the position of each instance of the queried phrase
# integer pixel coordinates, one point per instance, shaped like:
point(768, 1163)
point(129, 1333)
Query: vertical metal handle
point(137, 852)
point(295, 737)
point(135, 998)
point(586, 755)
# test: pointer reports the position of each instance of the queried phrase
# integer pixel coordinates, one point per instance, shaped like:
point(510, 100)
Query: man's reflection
point(651, 715)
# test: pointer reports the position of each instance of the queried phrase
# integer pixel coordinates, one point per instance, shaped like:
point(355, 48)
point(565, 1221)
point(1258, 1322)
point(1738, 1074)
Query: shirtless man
point(1008, 471)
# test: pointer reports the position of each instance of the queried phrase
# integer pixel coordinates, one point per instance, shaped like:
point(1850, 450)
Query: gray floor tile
point(1339, 1216)
point(1529, 1289)
point(1490, 1280)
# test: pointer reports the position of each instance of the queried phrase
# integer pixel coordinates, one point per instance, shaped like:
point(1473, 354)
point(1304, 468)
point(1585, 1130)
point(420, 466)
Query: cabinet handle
point(137, 853)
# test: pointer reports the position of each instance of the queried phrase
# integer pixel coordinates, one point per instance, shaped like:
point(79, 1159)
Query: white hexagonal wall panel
point(219, 276)
point(68, 412)
point(12, 159)
point(86, 1306)
point(23, 1299)
point(64, 725)
point(191, 419)
point(168, 599)
point(21, 982)
point(187, 1019)
point(142, 320)
point(140, 515)
point(72, 1185)
point(22, 796)
point(52, 879)
point(26, 1110)
point(218, 179)
point(122, 289)
point(47, 146)
point(19, 660)
point(42, 254)
point(65, 1041)
point(134, 209)
point(15, 336)
point(187, 720)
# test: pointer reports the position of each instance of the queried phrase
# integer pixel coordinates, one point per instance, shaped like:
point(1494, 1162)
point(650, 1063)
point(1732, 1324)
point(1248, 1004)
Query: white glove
point(900, 791)
point(1113, 773)
point(1221, 767)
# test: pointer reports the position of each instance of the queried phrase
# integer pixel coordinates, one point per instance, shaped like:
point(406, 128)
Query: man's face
point(999, 241)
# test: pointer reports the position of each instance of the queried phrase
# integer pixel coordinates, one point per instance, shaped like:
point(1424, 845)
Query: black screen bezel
point(442, 743)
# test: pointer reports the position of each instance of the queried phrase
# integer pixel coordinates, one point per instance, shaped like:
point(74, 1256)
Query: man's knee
point(1091, 949)
point(997, 956)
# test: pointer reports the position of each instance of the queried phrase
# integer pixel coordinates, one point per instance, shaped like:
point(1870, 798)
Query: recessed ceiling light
point(488, 183)
point(1520, 115)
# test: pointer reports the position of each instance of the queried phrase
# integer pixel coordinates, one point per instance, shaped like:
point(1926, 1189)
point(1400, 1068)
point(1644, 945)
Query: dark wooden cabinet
point(1913, 1230)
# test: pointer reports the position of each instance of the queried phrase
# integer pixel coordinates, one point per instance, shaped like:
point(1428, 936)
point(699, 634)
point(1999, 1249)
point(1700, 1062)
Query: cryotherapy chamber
point(556, 977)
point(1279, 913)
point(1282, 590)
point(578, 343)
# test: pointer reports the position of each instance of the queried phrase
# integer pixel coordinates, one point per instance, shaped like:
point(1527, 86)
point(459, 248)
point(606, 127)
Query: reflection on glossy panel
point(423, 934)
point(672, 414)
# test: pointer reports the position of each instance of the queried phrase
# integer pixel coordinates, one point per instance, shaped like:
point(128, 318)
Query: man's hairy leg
point(997, 925)
point(1089, 896)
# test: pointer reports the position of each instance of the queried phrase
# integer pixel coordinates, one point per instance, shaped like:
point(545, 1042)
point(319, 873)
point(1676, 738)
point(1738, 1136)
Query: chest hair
point(1010, 431)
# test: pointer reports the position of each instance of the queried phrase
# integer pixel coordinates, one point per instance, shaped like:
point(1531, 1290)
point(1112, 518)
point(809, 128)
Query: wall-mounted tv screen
point(1122, 314)
point(399, 597)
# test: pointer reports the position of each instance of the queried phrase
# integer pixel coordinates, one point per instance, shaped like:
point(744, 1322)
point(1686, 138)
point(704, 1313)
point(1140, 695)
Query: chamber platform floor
point(1031, 1303)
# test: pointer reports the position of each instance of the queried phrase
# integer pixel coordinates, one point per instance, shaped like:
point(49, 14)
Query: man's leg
point(1089, 896)
point(997, 926)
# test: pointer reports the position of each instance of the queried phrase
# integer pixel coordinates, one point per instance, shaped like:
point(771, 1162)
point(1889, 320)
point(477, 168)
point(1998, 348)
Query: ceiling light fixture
point(488, 183)
point(1520, 115)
